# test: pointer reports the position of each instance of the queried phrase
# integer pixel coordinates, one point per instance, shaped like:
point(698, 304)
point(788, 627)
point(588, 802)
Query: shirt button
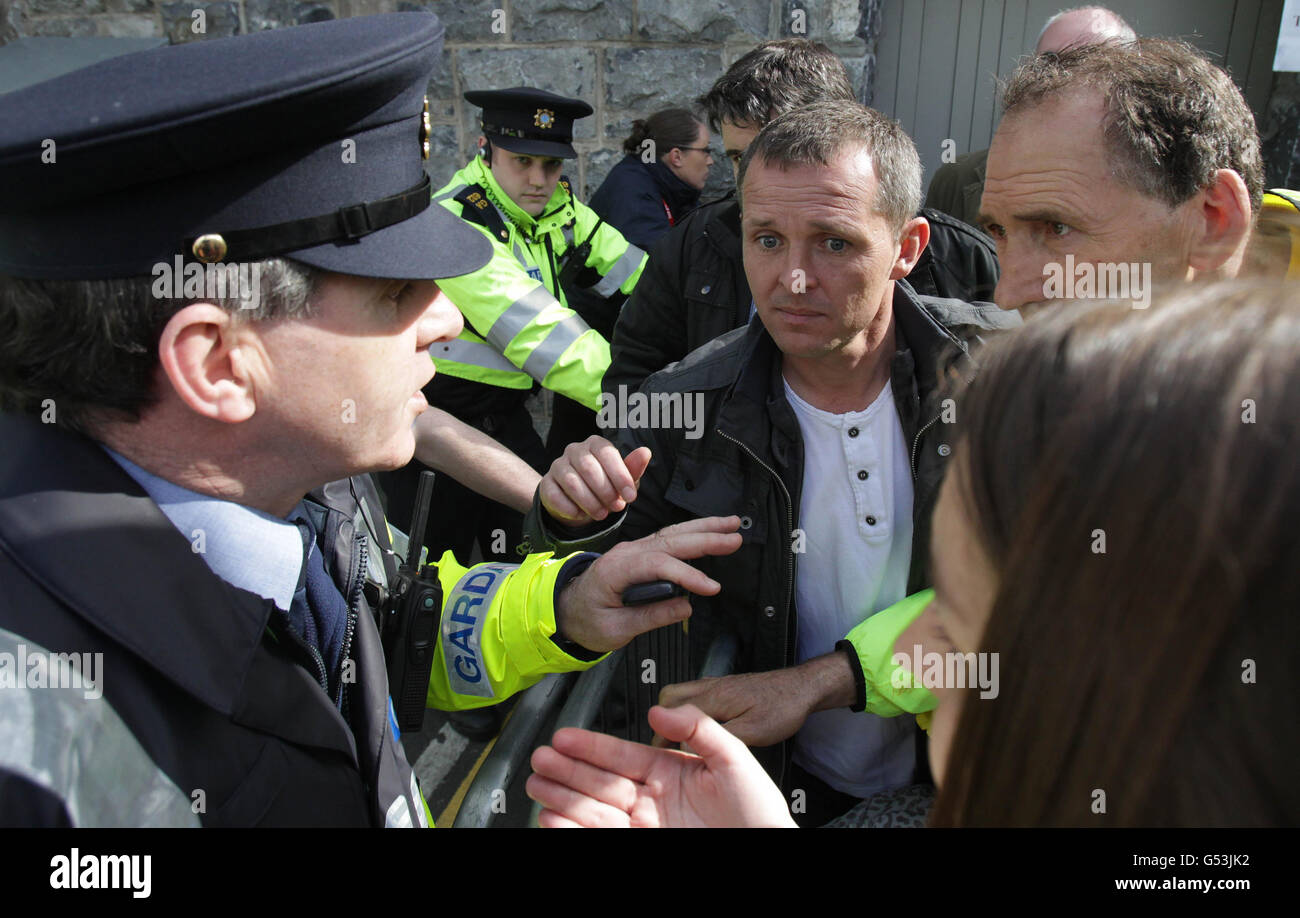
point(853, 431)
point(769, 611)
point(863, 475)
point(871, 521)
point(706, 288)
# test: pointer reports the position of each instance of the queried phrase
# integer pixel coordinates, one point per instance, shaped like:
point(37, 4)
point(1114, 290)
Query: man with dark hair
point(695, 287)
point(1142, 153)
point(819, 425)
point(216, 322)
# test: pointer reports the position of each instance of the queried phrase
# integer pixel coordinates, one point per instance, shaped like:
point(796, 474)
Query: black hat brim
point(529, 147)
point(431, 245)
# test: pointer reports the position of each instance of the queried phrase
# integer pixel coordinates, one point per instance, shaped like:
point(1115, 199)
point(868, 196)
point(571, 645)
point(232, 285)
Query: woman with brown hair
point(1119, 528)
point(659, 181)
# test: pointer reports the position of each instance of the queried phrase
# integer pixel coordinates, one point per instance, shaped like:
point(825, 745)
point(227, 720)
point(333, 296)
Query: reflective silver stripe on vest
point(547, 354)
point(451, 194)
point(78, 748)
point(519, 255)
point(398, 815)
point(620, 272)
point(473, 353)
point(421, 816)
point(517, 317)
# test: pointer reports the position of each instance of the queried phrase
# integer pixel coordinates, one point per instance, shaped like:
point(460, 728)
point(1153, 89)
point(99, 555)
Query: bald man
point(957, 186)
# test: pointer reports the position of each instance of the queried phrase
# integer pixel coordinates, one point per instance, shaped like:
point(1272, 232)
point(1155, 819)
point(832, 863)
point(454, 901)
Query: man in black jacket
point(694, 287)
point(821, 425)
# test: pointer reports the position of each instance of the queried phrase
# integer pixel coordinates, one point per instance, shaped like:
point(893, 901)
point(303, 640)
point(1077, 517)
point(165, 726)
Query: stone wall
point(627, 58)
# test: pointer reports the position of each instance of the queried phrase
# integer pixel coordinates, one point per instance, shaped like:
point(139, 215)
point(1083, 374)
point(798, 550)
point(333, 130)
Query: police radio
point(410, 633)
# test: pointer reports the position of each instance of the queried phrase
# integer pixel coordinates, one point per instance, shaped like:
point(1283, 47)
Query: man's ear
point(200, 351)
point(1222, 219)
point(912, 242)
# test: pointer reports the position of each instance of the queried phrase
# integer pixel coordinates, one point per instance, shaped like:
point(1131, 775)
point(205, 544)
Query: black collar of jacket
point(75, 521)
point(724, 223)
point(681, 197)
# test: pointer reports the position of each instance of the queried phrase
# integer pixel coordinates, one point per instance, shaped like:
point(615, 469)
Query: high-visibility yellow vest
point(1280, 213)
point(518, 327)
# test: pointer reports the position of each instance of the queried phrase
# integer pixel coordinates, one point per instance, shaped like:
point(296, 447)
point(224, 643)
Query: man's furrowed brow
point(826, 226)
point(1043, 215)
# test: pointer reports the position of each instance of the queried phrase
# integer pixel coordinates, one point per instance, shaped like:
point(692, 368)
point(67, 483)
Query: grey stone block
point(721, 180)
point(127, 25)
point(648, 79)
point(596, 166)
point(820, 20)
point(62, 26)
point(567, 71)
point(260, 15)
point(11, 22)
point(867, 93)
point(583, 20)
point(445, 155)
point(220, 20)
point(855, 66)
point(701, 20)
point(466, 20)
point(618, 124)
point(349, 8)
point(64, 7)
point(130, 6)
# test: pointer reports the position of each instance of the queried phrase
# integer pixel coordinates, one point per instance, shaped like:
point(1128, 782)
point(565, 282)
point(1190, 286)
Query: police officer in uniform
point(193, 559)
point(519, 331)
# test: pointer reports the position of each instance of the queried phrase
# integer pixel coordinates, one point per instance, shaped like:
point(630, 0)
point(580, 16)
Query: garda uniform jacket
point(518, 327)
point(695, 288)
point(205, 713)
point(749, 462)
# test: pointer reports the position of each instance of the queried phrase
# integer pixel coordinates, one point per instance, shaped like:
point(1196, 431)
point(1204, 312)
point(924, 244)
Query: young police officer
point(519, 330)
point(192, 581)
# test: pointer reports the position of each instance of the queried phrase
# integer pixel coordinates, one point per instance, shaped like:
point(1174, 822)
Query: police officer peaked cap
point(530, 121)
point(306, 142)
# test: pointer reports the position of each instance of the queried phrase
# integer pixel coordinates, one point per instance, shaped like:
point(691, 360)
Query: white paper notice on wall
point(1288, 39)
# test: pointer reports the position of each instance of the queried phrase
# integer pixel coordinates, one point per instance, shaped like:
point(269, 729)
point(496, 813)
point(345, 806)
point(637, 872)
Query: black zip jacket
point(749, 462)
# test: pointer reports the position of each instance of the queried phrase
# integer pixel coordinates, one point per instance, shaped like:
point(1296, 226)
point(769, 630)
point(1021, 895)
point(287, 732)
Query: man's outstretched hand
point(593, 780)
point(762, 709)
point(590, 608)
point(591, 480)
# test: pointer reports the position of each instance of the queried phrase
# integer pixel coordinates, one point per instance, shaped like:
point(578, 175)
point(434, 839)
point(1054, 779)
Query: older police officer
point(185, 557)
